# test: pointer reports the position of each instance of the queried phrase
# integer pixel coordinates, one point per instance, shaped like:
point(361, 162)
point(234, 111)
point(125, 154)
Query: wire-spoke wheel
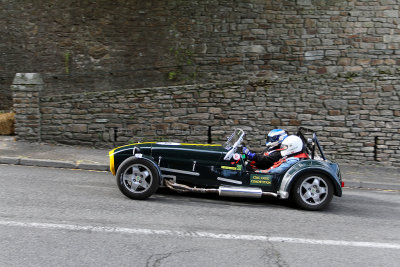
point(137, 178)
point(312, 191)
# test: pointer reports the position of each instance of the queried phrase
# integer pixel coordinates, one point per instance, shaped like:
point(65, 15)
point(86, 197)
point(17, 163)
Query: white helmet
point(291, 145)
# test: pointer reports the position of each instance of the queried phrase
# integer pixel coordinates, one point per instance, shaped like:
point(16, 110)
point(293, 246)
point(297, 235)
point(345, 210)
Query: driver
point(271, 154)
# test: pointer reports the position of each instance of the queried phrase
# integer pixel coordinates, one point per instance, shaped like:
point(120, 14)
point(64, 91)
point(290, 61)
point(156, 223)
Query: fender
point(119, 154)
point(117, 157)
point(122, 157)
point(304, 166)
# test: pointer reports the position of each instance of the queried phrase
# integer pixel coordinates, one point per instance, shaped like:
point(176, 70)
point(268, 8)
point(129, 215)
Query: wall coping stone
point(28, 79)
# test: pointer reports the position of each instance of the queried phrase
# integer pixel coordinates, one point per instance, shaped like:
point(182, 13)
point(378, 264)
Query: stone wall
point(83, 46)
point(26, 89)
point(357, 117)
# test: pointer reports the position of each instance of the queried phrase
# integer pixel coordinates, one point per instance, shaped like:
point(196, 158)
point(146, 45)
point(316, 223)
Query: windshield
point(236, 136)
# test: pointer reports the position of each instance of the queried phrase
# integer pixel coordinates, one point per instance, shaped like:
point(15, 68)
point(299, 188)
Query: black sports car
point(222, 169)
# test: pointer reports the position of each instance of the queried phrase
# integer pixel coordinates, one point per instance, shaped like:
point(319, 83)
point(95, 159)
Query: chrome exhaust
point(233, 191)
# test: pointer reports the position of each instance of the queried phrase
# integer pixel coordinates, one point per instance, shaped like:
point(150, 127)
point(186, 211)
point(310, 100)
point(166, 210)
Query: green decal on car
point(261, 179)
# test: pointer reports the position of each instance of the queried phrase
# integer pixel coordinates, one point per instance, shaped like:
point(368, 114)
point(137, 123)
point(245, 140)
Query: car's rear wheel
point(137, 178)
point(312, 191)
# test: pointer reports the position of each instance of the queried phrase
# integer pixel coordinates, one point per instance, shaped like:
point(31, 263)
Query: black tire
point(312, 191)
point(137, 178)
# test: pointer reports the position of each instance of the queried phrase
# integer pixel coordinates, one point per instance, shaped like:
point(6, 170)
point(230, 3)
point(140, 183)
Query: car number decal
point(261, 179)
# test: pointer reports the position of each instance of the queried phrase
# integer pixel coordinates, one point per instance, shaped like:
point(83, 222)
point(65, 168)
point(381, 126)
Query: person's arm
point(266, 160)
point(284, 166)
point(248, 153)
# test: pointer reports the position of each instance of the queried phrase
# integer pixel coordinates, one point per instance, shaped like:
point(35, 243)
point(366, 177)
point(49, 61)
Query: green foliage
point(350, 75)
point(172, 75)
point(385, 71)
point(184, 61)
point(67, 57)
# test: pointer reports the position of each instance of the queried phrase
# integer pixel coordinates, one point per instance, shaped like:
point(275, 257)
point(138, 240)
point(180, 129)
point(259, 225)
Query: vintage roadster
point(222, 169)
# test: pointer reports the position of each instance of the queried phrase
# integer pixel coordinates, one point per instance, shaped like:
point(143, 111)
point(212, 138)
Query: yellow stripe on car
point(112, 166)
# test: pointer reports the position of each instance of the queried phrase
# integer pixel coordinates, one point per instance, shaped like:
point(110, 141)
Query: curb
point(371, 185)
point(53, 163)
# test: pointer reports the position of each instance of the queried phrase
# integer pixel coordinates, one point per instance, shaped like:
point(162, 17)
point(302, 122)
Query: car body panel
point(329, 169)
point(180, 156)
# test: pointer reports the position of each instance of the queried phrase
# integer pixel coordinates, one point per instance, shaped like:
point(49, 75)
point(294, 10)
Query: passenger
point(292, 150)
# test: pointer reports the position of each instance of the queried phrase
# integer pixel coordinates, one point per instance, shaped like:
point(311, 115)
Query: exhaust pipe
point(184, 188)
point(232, 191)
point(223, 191)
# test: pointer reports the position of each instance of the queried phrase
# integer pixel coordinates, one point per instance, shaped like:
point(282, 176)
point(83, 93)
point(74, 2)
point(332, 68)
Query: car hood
point(160, 146)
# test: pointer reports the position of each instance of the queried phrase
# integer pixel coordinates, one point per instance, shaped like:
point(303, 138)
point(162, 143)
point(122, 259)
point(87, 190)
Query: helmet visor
point(271, 139)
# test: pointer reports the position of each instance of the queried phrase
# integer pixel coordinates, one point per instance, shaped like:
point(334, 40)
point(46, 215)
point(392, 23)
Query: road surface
point(59, 217)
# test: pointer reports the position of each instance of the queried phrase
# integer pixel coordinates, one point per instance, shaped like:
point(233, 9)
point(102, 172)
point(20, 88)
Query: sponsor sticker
point(234, 168)
point(261, 179)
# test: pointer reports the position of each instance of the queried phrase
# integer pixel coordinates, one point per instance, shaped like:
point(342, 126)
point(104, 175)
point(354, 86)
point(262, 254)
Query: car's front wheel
point(137, 178)
point(312, 191)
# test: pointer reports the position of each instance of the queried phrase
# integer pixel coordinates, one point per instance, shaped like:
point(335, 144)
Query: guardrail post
point(26, 89)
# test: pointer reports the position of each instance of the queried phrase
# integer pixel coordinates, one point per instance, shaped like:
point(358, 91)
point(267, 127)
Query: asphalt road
point(58, 217)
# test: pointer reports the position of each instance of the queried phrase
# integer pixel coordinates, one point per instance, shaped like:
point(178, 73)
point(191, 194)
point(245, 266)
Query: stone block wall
point(26, 89)
point(357, 117)
point(82, 46)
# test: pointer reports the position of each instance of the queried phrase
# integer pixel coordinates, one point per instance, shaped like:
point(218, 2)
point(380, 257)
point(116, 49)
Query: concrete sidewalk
point(76, 157)
point(50, 155)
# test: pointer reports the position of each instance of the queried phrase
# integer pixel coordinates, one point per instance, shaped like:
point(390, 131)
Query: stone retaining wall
point(81, 46)
point(357, 116)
